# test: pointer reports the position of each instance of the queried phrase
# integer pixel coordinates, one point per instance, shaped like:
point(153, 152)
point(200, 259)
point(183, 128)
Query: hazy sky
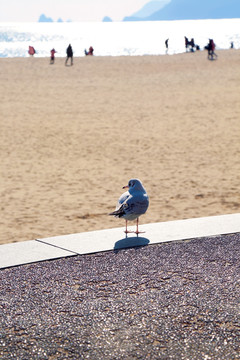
point(75, 10)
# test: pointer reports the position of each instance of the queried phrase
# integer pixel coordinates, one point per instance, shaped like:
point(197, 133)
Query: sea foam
point(115, 38)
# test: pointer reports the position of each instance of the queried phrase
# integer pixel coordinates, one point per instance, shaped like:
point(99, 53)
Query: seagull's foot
point(134, 232)
point(129, 232)
point(139, 232)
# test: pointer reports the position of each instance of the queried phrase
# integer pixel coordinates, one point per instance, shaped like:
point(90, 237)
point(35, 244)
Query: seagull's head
point(134, 185)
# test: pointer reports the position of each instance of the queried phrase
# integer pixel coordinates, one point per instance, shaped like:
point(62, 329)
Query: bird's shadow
point(130, 242)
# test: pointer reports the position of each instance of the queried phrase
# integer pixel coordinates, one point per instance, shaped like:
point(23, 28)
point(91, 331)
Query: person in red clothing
point(52, 58)
point(31, 50)
point(211, 50)
point(90, 51)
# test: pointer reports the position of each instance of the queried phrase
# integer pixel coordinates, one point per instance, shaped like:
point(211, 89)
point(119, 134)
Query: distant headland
point(187, 10)
point(164, 10)
point(44, 18)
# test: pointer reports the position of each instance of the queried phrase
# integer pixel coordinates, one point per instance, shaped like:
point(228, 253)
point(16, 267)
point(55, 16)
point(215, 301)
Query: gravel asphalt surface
point(176, 300)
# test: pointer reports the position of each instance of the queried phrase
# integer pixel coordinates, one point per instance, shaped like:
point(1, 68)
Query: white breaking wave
point(115, 38)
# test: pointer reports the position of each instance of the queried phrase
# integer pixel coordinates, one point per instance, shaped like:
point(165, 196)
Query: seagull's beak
point(126, 187)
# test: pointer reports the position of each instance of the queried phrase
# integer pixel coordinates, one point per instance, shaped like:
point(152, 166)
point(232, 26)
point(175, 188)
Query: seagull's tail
point(117, 213)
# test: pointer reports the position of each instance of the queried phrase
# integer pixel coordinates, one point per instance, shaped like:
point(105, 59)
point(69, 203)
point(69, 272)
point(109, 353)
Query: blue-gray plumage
point(132, 203)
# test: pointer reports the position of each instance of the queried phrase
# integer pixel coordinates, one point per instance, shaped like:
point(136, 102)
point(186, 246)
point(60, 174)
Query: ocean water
point(116, 38)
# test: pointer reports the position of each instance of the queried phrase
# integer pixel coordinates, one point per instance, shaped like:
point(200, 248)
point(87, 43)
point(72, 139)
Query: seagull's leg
point(138, 232)
point(127, 231)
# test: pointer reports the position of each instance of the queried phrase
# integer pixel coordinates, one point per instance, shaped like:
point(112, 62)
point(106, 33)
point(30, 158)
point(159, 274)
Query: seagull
point(132, 203)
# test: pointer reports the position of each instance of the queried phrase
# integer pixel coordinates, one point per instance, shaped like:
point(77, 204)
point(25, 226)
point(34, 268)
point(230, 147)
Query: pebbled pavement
point(178, 300)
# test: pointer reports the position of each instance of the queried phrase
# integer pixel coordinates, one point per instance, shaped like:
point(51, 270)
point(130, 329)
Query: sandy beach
point(71, 137)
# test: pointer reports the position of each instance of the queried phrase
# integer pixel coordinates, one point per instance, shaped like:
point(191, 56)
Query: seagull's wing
point(131, 206)
point(137, 204)
point(122, 205)
point(123, 199)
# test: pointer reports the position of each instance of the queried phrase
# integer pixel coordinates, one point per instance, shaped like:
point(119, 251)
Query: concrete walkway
point(175, 300)
point(15, 254)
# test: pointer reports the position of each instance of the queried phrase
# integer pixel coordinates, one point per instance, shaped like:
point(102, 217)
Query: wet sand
point(71, 137)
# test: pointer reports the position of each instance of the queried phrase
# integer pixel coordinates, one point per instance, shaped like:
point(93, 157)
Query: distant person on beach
point(90, 51)
point(69, 52)
point(211, 50)
point(31, 50)
point(166, 44)
point(232, 45)
point(192, 44)
point(52, 58)
point(189, 43)
point(186, 42)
